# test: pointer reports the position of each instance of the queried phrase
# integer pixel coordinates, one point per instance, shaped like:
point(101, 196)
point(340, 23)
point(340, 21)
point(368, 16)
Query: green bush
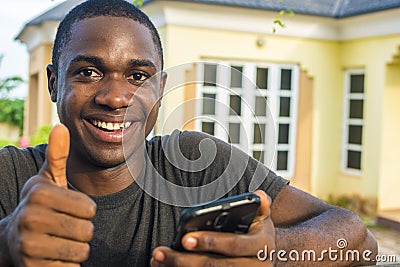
point(41, 136)
point(4, 142)
point(12, 112)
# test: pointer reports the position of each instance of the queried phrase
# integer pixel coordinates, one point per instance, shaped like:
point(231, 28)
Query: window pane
point(209, 104)
point(261, 106)
point(355, 134)
point(354, 159)
point(207, 127)
point(356, 109)
point(210, 75)
point(286, 79)
point(282, 161)
point(236, 76)
point(258, 155)
point(259, 133)
point(283, 135)
point(262, 78)
point(235, 104)
point(234, 133)
point(357, 83)
point(284, 107)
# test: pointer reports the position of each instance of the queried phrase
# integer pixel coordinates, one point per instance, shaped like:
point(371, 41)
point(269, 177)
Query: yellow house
point(317, 100)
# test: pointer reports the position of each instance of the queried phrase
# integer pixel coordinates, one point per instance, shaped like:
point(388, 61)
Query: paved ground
point(389, 244)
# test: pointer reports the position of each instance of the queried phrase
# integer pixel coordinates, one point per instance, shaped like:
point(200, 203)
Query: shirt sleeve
point(16, 167)
point(8, 181)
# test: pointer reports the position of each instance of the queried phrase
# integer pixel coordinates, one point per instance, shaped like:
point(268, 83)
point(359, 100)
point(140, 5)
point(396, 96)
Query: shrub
point(4, 142)
point(41, 136)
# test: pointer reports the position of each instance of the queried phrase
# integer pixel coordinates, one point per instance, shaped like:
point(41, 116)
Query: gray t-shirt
point(129, 224)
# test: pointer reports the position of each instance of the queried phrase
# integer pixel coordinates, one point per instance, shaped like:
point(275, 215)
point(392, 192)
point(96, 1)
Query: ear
point(52, 82)
point(163, 82)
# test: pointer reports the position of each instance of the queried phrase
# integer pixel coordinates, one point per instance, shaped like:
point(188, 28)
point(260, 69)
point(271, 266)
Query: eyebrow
point(142, 63)
point(98, 61)
point(90, 59)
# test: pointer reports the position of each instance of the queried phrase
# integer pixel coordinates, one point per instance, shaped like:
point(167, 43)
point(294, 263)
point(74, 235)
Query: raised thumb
point(55, 167)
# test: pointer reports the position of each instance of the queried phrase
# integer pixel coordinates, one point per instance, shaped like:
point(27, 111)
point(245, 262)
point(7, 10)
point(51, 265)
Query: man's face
point(104, 71)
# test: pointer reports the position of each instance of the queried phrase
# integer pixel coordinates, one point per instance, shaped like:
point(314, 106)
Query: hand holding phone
point(232, 214)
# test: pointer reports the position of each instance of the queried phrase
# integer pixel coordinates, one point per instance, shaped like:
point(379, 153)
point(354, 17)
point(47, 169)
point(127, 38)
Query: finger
point(168, 257)
point(228, 244)
point(56, 198)
point(56, 224)
point(264, 210)
point(57, 155)
point(37, 245)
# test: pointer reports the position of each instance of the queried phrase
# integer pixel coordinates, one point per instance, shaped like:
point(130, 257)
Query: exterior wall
point(320, 59)
point(380, 119)
point(389, 184)
point(324, 61)
point(38, 107)
point(9, 132)
point(301, 178)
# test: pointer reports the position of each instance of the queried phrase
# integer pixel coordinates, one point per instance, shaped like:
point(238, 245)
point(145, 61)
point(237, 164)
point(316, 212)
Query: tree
point(137, 2)
point(12, 110)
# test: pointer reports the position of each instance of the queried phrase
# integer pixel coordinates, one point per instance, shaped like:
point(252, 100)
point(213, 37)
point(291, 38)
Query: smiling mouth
point(110, 126)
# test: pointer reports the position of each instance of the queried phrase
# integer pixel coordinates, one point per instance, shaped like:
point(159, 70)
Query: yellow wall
point(373, 54)
point(320, 59)
point(41, 113)
point(9, 132)
point(304, 140)
point(389, 182)
point(325, 63)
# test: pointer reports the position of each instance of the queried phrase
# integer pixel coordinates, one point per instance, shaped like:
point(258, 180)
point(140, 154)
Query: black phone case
point(232, 214)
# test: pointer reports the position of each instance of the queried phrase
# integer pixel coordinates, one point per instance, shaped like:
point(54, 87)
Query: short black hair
point(98, 8)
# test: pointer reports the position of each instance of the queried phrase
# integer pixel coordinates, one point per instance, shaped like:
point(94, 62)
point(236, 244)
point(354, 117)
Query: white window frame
point(347, 122)
point(273, 95)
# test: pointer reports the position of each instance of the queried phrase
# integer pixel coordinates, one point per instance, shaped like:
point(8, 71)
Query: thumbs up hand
point(51, 225)
point(55, 167)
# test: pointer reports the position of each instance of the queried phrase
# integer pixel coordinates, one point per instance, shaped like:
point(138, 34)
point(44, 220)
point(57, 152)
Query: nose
point(115, 95)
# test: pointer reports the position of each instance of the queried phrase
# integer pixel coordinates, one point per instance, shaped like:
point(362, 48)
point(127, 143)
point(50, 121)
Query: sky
point(14, 14)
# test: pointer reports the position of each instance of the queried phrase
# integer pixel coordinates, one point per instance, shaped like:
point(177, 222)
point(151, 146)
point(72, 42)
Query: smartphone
point(232, 214)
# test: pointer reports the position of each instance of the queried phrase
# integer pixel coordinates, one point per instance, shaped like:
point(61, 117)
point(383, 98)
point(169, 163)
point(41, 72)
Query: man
point(89, 196)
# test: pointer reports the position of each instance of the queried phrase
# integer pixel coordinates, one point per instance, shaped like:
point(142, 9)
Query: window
point(209, 104)
point(252, 106)
point(262, 78)
point(353, 122)
point(210, 75)
point(208, 127)
point(236, 76)
point(234, 133)
point(235, 104)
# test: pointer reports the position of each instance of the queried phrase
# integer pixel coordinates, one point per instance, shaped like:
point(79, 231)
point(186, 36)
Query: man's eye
point(89, 73)
point(138, 76)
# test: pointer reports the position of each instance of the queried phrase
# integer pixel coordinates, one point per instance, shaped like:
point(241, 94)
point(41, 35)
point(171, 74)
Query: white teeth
point(111, 126)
